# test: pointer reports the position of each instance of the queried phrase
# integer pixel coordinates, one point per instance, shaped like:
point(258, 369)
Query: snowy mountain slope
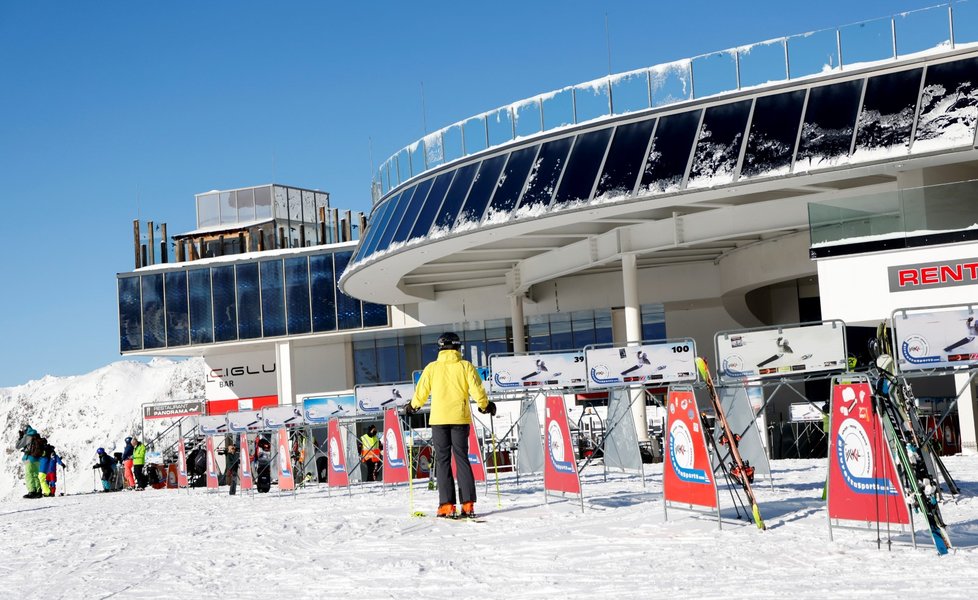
point(78, 414)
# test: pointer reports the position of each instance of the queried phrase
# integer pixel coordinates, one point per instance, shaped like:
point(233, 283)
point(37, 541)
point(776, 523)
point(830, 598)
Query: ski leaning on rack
point(740, 471)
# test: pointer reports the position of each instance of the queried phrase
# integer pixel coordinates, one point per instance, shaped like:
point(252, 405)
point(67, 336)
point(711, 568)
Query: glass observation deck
point(943, 27)
point(907, 218)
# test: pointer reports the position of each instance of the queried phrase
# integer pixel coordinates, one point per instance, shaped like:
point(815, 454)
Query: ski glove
point(409, 409)
point(490, 409)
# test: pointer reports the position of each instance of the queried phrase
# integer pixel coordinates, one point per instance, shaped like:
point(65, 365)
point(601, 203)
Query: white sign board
point(281, 417)
point(787, 351)
point(535, 371)
point(803, 411)
point(212, 425)
point(320, 409)
point(937, 338)
point(648, 363)
point(240, 375)
point(246, 420)
point(375, 399)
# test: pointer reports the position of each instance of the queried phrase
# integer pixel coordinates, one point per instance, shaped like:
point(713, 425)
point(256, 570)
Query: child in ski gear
point(127, 464)
point(42, 469)
point(450, 381)
point(370, 447)
point(139, 462)
point(52, 472)
point(232, 461)
point(107, 464)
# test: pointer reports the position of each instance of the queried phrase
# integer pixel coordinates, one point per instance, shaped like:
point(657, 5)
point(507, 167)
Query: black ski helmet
point(449, 341)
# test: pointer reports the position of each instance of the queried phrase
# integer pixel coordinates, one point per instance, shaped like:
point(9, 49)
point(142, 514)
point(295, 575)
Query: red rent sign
point(338, 476)
point(559, 464)
point(863, 485)
point(941, 274)
point(395, 465)
point(687, 475)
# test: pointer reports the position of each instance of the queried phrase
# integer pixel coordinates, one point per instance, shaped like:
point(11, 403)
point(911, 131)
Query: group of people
point(133, 460)
point(41, 463)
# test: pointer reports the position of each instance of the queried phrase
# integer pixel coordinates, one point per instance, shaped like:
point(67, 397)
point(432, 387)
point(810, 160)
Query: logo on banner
point(558, 450)
point(682, 453)
point(334, 456)
point(283, 461)
point(915, 350)
point(390, 448)
point(855, 456)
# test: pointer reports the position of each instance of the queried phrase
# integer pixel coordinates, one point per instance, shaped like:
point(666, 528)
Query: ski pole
point(411, 467)
point(495, 457)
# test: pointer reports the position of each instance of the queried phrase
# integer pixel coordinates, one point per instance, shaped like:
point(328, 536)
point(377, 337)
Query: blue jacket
point(127, 452)
point(43, 467)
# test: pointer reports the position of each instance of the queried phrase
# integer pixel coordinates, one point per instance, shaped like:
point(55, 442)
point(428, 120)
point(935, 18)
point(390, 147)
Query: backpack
point(36, 448)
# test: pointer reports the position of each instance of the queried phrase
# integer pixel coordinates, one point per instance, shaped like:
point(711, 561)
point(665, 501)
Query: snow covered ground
point(168, 543)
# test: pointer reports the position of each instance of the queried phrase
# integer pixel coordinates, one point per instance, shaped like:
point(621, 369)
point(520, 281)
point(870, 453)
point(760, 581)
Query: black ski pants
point(449, 440)
point(140, 475)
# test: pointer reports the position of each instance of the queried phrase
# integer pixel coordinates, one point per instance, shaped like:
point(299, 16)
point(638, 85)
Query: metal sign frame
point(793, 372)
point(601, 366)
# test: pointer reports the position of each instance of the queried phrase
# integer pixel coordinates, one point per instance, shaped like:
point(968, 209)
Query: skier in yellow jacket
point(450, 381)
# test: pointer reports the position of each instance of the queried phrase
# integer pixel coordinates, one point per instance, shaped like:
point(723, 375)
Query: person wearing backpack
point(127, 464)
point(35, 450)
point(26, 438)
point(107, 465)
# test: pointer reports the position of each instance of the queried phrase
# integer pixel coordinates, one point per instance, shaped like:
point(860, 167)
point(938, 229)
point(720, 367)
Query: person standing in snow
point(107, 465)
point(370, 448)
point(231, 463)
point(451, 381)
point(35, 450)
point(127, 464)
point(263, 464)
point(139, 462)
point(42, 469)
point(26, 437)
point(52, 472)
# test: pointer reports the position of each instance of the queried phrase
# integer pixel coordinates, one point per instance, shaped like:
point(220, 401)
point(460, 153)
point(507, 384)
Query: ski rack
point(635, 393)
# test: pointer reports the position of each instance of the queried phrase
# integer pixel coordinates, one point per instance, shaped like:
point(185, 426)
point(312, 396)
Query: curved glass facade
point(263, 298)
point(874, 117)
point(944, 26)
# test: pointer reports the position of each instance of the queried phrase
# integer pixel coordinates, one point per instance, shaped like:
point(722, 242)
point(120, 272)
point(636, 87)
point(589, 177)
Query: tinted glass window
point(773, 132)
point(297, 295)
point(669, 153)
point(347, 307)
point(510, 185)
point(410, 212)
point(201, 317)
point(225, 308)
point(431, 205)
point(130, 315)
point(948, 106)
point(249, 301)
point(177, 321)
point(154, 334)
point(582, 167)
point(625, 159)
point(323, 292)
point(374, 315)
point(830, 121)
point(482, 187)
point(365, 362)
point(718, 146)
point(455, 197)
point(272, 299)
point(542, 182)
point(886, 118)
point(375, 228)
point(397, 213)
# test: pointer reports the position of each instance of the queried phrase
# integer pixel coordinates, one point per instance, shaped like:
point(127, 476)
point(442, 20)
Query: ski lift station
point(824, 177)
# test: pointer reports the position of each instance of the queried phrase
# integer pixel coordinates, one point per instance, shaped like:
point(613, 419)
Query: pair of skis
point(738, 468)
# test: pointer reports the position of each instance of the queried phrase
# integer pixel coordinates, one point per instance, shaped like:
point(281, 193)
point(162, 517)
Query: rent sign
point(922, 276)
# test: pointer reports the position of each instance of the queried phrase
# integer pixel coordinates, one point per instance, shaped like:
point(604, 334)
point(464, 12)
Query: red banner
point(687, 476)
point(222, 407)
point(559, 465)
point(475, 457)
point(863, 484)
point(245, 475)
point(395, 463)
point(338, 476)
point(212, 480)
point(181, 464)
point(286, 479)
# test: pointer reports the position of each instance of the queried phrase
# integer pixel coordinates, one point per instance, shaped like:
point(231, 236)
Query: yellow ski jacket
point(450, 381)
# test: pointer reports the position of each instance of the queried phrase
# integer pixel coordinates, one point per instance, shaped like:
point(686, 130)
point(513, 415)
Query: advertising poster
point(181, 464)
point(649, 363)
point(286, 478)
point(935, 339)
point(534, 371)
point(374, 399)
point(863, 483)
point(245, 474)
point(687, 477)
point(318, 410)
point(781, 352)
point(241, 422)
point(337, 457)
point(212, 480)
point(395, 460)
point(212, 425)
point(560, 467)
point(282, 417)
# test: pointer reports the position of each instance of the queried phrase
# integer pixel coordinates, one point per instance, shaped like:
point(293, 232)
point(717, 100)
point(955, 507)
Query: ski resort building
point(829, 175)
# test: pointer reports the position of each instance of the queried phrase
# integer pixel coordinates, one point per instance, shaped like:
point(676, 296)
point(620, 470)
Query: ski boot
point(468, 510)
point(446, 511)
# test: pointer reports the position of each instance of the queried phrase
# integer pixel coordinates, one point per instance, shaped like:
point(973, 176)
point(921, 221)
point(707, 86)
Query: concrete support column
point(966, 414)
point(633, 333)
point(516, 316)
point(283, 372)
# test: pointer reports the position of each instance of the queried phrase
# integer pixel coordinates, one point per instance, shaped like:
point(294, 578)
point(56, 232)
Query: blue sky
point(116, 110)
